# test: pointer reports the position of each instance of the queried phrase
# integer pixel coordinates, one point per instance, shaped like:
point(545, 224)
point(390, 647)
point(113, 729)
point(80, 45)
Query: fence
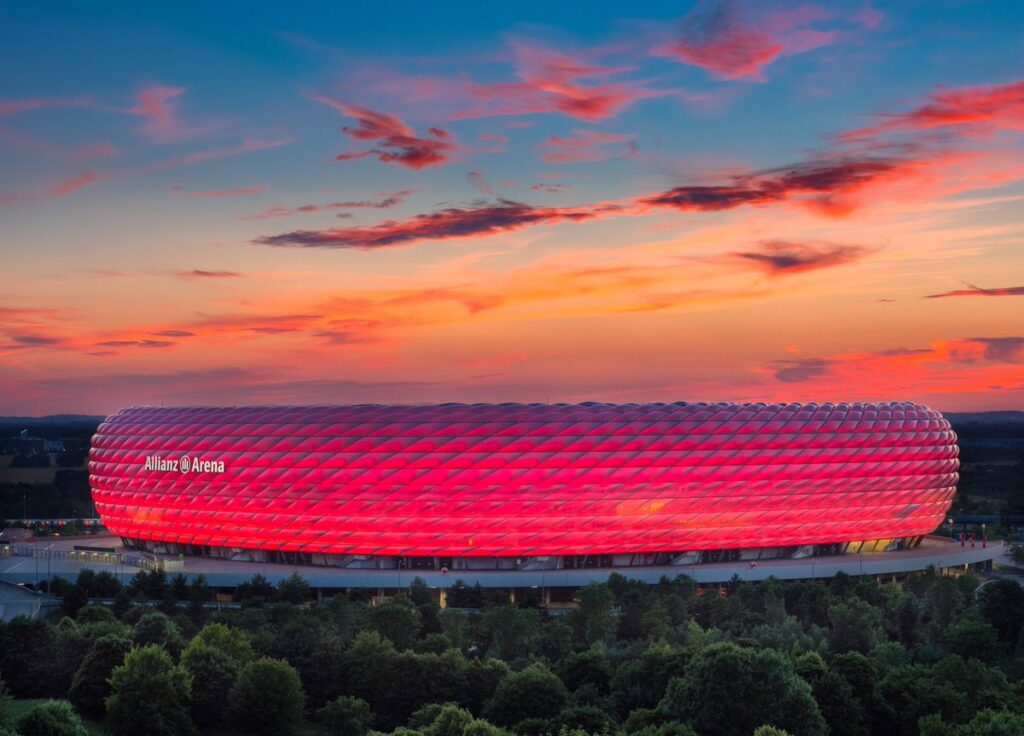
point(144, 561)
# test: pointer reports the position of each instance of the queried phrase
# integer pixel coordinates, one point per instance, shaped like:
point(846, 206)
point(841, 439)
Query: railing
point(144, 561)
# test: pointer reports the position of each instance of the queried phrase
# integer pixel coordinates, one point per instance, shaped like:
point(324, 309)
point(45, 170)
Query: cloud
point(961, 365)
point(733, 40)
point(387, 201)
point(219, 193)
point(479, 181)
point(398, 143)
point(551, 188)
point(73, 185)
point(818, 182)
point(1001, 349)
point(999, 106)
point(801, 369)
point(158, 105)
point(37, 340)
point(173, 333)
point(55, 191)
point(135, 344)
point(488, 219)
point(198, 273)
point(980, 291)
point(15, 107)
point(27, 315)
point(587, 146)
point(777, 257)
point(567, 82)
point(248, 145)
point(553, 81)
point(266, 324)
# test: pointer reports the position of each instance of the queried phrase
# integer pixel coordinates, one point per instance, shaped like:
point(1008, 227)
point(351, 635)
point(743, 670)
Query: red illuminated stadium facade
point(523, 486)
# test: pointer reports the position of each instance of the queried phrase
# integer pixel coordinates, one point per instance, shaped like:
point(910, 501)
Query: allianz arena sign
point(183, 464)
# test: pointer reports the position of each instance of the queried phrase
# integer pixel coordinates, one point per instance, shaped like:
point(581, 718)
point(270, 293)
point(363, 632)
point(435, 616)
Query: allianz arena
point(523, 486)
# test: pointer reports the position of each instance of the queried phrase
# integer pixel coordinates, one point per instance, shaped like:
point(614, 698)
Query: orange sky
point(582, 226)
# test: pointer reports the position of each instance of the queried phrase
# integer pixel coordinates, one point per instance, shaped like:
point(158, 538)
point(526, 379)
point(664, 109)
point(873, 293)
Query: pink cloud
point(158, 105)
point(248, 145)
point(84, 179)
point(14, 107)
point(60, 189)
point(587, 146)
point(546, 80)
point(398, 143)
point(997, 106)
point(733, 40)
point(220, 193)
point(554, 81)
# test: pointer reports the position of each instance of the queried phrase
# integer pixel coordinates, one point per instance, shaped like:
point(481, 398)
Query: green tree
point(51, 718)
point(293, 589)
point(534, 692)
point(232, 642)
point(594, 619)
point(149, 695)
point(730, 690)
point(257, 589)
point(970, 636)
point(1001, 603)
point(90, 685)
point(346, 716)
point(770, 731)
point(96, 615)
point(213, 675)
point(586, 668)
point(943, 602)
point(461, 595)
point(856, 626)
point(510, 632)
point(157, 628)
point(397, 620)
point(74, 600)
point(267, 698)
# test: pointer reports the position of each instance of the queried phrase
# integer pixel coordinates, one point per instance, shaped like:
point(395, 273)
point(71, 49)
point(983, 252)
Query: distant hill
point(53, 419)
point(985, 417)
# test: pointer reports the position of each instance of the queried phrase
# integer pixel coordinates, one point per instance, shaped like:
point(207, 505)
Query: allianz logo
point(183, 464)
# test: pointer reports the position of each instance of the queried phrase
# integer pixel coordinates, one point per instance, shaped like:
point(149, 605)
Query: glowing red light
point(516, 480)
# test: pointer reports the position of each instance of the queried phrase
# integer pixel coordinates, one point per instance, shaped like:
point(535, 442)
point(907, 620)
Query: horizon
point(722, 201)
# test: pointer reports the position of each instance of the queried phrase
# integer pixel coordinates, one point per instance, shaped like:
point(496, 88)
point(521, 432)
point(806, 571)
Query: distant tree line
point(846, 657)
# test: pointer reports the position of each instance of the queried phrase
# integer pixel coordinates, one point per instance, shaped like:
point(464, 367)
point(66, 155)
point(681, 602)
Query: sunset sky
point(420, 202)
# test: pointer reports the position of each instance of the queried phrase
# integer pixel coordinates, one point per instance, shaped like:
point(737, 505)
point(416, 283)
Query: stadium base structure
point(524, 488)
point(941, 553)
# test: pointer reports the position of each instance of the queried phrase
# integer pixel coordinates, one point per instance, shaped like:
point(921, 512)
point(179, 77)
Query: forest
point(933, 655)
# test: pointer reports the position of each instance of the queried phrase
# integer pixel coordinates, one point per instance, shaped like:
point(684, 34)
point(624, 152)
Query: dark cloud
point(387, 200)
point(1002, 349)
point(173, 333)
point(820, 179)
point(37, 340)
point(398, 143)
point(502, 216)
point(979, 291)
point(198, 273)
point(801, 369)
point(779, 257)
point(479, 181)
point(135, 344)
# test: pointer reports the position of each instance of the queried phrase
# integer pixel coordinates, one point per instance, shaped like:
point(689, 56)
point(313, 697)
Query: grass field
point(26, 475)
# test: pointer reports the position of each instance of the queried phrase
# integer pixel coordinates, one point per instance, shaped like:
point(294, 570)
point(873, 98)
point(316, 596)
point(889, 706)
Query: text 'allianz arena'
point(563, 485)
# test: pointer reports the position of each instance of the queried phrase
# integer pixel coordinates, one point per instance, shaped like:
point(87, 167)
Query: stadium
point(527, 488)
